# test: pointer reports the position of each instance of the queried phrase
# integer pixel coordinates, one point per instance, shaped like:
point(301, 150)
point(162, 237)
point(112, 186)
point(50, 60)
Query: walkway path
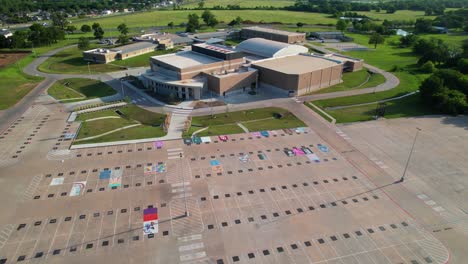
point(107, 133)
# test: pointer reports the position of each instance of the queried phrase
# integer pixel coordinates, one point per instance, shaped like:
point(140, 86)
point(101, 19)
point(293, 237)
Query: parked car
point(288, 131)
point(223, 138)
point(264, 133)
point(187, 141)
point(289, 153)
point(196, 140)
point(307, 150)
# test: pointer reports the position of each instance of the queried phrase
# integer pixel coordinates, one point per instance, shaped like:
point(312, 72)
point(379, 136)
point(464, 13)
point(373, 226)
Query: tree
point(375, 39)
point(209, 18)
point(428, 67)
point(85, 28)
point(341, 25)
point(451, 102)
point(408, 40)
point(170, 24)
point(201, 4)
point(83, 43)
point(95, 26)
point(59, 20)
point(430, 86)
point(300, 24)
point(237, 21)
point(70, 29)
point(123, 29)
point(122, 39)
point(423, 25)
point(193, 23)
point(391, 9)
point(98, 33)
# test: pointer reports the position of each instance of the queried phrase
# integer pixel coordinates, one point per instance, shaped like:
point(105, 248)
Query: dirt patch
point(10, 58)
point(201, 104)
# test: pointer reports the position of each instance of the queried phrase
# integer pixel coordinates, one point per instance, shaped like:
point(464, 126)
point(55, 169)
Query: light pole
point(183, 186)
point(121, 87)
point(89, 69)
point(409, 157)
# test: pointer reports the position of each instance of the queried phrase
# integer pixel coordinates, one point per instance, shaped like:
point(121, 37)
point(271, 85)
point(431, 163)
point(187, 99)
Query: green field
point(15, 84)
point(254, 120)
point(150, 125)
point(355, 80)
point(79, 89)
point(398, 15)
point(71, 61)
point(386, 56)
point(97, 127)
point(162, 18)
point(405, 107)
point(242, 3)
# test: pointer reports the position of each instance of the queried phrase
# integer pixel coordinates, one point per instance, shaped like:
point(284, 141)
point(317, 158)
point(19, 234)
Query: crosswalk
point(5, 234)
point(379, 163)
point(175, 153)
point(343, 135)
point(296, 100)
point(29, 192)
point(449, 217)
point(192, 249)
point(60, 154)
point(138, 100)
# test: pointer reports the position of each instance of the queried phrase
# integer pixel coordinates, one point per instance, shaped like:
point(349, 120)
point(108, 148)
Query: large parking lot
point(247, 202)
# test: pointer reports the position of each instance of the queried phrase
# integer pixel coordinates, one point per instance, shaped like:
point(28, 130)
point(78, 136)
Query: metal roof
point(274, 31)
point(136, 46)
point(268, 48)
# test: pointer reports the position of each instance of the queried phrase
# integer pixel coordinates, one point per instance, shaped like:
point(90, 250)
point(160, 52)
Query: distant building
point(401, 32)
point(440, 30)
point(327, 35)
point(101, 55)
point(272, 34)
point(106, 12)
point(165, 40)
point(6, 33)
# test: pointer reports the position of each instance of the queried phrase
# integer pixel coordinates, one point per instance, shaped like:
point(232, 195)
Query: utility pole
point(121, 87)
point(89, 69)
point(183, 186)
point(409, 157)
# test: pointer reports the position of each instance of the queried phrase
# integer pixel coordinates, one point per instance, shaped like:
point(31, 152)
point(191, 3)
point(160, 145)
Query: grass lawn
point(162, 18)
point(355, 80)
point(242, 3)
point(87, 116)
point(221, 130)
point(138, 132)
point(405, 107)
point(78, 87)
point(150, 125)
point(287, 121)
point(386, 56)
point(143, 116)
point(398, 15)
point(15, 84)
point(71, 61)
point(224, 123)
point(97, 127)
